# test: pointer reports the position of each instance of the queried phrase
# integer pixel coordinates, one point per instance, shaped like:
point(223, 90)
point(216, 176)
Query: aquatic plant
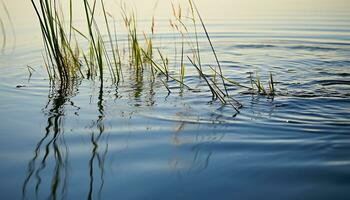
point(193, 18)
point(114, 48)
point(65, 59)
point(181, 28)
point(98, 52)
point(271, 85)
point(135, 49)
point(30, 71)
point(258, 88)
point(3, 38)
point(3, 21)
point(217, 93)
point(52, 146)
point(211, 45)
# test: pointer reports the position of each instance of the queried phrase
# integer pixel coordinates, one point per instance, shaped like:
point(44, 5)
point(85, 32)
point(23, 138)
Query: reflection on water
point(52, 145)
point(49, 170)
point(98, 152)
point(136, 141)
point(52, 149)
point(198, 160)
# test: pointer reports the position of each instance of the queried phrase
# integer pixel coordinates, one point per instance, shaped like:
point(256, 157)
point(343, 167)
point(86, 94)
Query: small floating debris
point(20, 86)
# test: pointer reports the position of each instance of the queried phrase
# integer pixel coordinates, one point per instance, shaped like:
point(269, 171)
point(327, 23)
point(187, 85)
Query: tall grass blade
point(211, 45)
point(271, 85)
point(3, 31)
point(117, 64)
point(182, 65)
point(162, 71)
point(215, 90)
point(196, 34)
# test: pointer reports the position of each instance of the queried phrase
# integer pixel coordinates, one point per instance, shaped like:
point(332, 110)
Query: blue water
point(135, 141)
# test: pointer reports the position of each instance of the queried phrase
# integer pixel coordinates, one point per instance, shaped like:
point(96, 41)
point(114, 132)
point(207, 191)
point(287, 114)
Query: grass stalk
point(165, 63)
point(230, 81)
point(182, 65)
point(211, 45)
point(271, 85)
point(89, 14)
point(196, 34)
point(3, 31)
point(162, 71)
point(64, 57)
point(117, 63)
point(215, 90)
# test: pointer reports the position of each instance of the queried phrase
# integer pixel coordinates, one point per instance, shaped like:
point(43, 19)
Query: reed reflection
point(142, 90)
point(98, 152)
point(200, 154)
point(51, 152)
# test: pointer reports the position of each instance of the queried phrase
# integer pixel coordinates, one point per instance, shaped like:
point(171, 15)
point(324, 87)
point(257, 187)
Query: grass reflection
point(199, 148)
point(52, 151)
point(97, 156)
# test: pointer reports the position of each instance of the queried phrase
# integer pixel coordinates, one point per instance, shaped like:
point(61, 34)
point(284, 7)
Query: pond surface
point(135, 141)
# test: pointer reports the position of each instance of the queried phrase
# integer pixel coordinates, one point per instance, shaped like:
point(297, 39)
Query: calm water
point(134, 141)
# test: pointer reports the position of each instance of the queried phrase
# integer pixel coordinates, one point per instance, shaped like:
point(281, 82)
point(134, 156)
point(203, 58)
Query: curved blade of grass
point(117, 64)
point(211, 45)
point(228, 80)
point(196, 33)
point(2, 27)
point(8, 16)
point(164, 73)
point(215, 90)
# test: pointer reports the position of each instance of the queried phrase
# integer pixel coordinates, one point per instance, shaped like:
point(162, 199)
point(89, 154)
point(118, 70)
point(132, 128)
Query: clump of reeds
point(258, 88)
point(65, 60)
point(135, 52)
point(180, 26)
point(98, 55)
point(62, 56)
point(217, 93)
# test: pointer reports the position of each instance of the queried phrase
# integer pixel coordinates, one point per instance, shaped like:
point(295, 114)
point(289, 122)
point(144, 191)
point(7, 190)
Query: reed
point(180, 26)
point(65, 58)
point(7, 19)
point(115, 51)
point(165, 61)
point(228, 80)
point(135, 53)
point(3, 38)
point(217, 93)
point(211, 45)
point(193, 18)
point(162, 71)
point(258, 87)
point(95, 41)
point(271, 85)
point(30, 71)
point(98, 57)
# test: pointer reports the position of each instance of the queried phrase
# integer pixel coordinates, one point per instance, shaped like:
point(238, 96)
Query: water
point(135, 141)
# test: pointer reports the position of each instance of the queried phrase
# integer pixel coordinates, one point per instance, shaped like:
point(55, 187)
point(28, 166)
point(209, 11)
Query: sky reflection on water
point(135, 141)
